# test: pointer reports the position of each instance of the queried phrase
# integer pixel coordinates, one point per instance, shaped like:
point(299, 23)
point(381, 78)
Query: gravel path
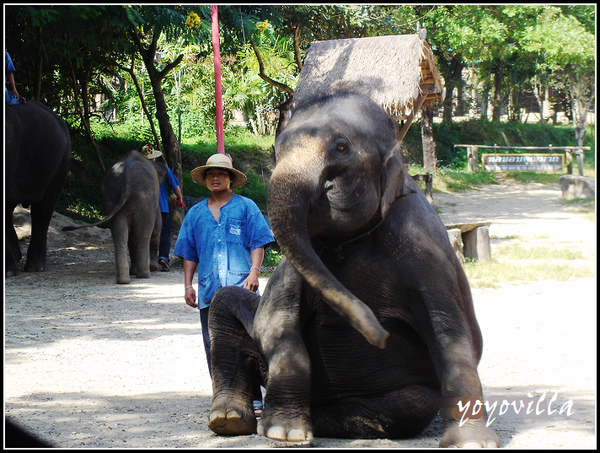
point(92, 364)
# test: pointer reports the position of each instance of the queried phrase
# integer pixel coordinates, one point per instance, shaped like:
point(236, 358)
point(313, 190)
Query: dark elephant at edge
point(366, 329)
point(37, 152)
point(130, 192)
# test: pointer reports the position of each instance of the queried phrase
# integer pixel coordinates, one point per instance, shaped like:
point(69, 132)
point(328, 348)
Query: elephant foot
point(35, 266)
point(228, 420)
point(123, 280)
point(11, 270)
point(287, 429)
point(472, 434)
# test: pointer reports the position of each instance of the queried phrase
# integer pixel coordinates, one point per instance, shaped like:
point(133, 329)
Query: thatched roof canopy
point(398, 72)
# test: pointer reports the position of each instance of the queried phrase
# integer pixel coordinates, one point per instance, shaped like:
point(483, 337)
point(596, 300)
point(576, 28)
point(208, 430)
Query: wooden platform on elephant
point(471, 240)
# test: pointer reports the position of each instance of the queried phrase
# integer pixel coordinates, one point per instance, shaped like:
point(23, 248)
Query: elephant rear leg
point(41, 215)
point(139, 248)
point(235, 361)
point(120, 235)
point(400, 414)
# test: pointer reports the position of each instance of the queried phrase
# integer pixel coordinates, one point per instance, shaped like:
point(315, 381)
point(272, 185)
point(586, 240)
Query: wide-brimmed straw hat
point(219, 161)
point(150, 153)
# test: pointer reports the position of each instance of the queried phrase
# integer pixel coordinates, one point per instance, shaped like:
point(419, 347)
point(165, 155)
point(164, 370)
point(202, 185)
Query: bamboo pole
point(218, 88)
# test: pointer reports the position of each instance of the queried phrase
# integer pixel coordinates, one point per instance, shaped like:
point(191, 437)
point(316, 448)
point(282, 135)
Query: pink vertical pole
point(218, 88)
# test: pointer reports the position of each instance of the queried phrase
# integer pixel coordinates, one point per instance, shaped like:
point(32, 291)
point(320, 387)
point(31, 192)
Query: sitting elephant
point(130, 193)
point(37, 152)
point(366, 329)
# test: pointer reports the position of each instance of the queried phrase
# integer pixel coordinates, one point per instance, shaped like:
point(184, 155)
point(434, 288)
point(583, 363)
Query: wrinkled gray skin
point(37, 152)
point(366, 328)
point(130, 192)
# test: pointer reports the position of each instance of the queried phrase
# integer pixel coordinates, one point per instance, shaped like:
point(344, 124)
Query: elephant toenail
point(233, 414)
point(215, 414)
point(297, 435)
point(276, 432)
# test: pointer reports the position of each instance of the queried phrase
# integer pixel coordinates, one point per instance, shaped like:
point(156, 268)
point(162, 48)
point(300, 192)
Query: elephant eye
point(341, 148)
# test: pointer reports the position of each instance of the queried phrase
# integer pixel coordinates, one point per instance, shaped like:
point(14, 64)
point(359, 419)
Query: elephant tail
point(116, 209)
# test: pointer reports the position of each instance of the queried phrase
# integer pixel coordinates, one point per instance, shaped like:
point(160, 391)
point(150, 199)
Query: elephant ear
point(394, 180)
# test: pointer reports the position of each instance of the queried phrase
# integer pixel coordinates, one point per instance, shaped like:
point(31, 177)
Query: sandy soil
point(92, 364)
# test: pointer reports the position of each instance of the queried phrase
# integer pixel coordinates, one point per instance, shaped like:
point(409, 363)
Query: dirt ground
point(92, 364)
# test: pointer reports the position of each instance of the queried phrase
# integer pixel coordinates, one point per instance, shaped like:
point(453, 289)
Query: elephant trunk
point(290, 195)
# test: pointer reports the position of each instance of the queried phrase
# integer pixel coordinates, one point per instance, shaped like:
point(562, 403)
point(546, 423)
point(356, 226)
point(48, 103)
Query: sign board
point(522, 162)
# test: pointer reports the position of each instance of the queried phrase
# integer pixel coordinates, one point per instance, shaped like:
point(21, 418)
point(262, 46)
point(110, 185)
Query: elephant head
point(338, 170)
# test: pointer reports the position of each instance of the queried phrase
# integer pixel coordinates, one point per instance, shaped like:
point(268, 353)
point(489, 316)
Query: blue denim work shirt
point(222, 249)
point(163, 194)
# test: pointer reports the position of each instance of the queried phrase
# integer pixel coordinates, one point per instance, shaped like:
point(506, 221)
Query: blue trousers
point(164, 247)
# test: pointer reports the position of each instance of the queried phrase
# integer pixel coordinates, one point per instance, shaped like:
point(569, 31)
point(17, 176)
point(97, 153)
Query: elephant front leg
point(460, 383)
point(235, 361)
point(462, 401)
point(277, 331)
point(286, 414)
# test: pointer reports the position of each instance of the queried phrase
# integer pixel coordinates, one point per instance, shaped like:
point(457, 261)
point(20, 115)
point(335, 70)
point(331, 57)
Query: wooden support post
point(472, 159)
point(477, 244)
point(569, 156)
point(428, 179)
point(429, 188)
point(456, 242)
point(416, 107)
point(579, 158)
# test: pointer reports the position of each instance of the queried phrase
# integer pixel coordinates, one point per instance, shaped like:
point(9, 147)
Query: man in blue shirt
point(222, 238)
point(164, 247)
point(11, 97)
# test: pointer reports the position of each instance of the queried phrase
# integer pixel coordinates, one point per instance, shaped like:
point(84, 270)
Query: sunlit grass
point(521, 263)
point(451, 180)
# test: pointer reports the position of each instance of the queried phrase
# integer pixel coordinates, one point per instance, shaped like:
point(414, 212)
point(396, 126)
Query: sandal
point(164, 266)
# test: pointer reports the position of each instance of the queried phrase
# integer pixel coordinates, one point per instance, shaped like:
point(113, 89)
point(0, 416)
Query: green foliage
point(251, 155)
point(273, 257)
point(66, 55)
point(483, 132)
point(530, 176)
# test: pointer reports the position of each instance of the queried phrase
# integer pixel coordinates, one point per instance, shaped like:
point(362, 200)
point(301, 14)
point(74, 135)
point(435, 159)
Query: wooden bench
point(471, 240)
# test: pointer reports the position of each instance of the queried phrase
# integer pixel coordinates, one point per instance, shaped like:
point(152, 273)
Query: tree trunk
point(497, 106)
point(538, 92)
point(82, 108)
point(452, 73)
point(582, 98)
point(485, 101)
point(131, 71)
point(171, 149)
point(297, 53)
point(429, 151)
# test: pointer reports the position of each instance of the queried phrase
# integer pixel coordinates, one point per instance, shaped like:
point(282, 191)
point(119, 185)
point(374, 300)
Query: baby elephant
point(130, 192)
point(366, 329)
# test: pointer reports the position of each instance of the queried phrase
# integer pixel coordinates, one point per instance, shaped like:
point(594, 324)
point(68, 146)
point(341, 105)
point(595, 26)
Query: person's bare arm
point(189, 269)
point(257, 256)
